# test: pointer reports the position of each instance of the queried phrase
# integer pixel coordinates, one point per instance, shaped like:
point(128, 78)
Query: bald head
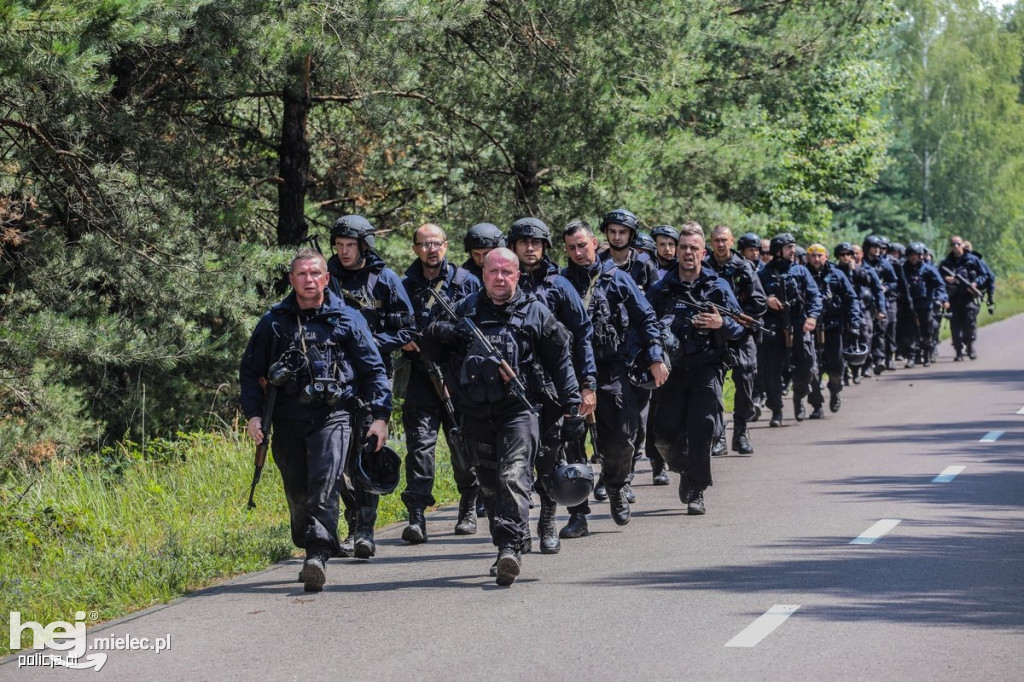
point(501, 274)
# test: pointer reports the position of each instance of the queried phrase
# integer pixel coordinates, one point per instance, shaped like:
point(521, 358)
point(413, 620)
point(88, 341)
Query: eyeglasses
point(956, 243)
point(431, 246)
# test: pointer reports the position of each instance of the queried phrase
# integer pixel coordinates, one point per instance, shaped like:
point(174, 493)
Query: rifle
point(739, 316)
point(453, 433)
point(261, 449)
point(963, 280)
point(514, 383)
point(591, 421)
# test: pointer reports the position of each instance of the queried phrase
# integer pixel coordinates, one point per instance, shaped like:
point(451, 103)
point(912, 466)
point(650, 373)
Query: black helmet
point(749, 241)
point(842, 248)
point(856, 353)
point(801, 253)
point(532, 228)
point(898, 248)
point(916, 247)
point(644, 241)
point(873, 240)
point(885, 242)
point(377, 472)
point(620, 216)
point(778, 241)
point(569, 484)
point(666, 231)
point(354, 227)
point(483, 236)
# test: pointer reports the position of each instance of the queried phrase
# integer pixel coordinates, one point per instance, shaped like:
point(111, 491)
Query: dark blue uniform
point(688, 414)
point(926, 288)
point(624, 327)
point(883, 342)
point(500, 432)
point(310, 441)
point(841, 316)
point(422, 414)
point(963, 304)
point(871, 293)
point(793, 285)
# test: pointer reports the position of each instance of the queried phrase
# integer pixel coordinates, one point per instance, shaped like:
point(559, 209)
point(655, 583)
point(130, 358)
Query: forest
point(161, 160)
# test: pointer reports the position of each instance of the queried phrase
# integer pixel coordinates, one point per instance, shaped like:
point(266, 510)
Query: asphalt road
point(767, 585)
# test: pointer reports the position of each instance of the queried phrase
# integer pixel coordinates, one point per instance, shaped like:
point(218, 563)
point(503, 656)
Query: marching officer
point(423, 414)
point(794, 306)
point(689, 413)
point(926, 287)
point(530, 238)
point(500, 329)
point(372, 288)
point(747, 289)
point(841, 317)
point(870, 292)
point(665, 238)
point(883, 342)
point(965, 281)
point(624, 329)
point(318, 356)
point(480, 240)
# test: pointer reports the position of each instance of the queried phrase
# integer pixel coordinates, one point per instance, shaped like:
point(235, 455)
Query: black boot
point(817, 413)
point(576, 528)
point(659, 473)
point(835, 402)
point(549, 542)
point(720, 448)
point(507, 568)
point(466, 523)
point(776, 418)
point(627, 490)
point(741, 438)
point(364, 545)
point(798, 409)
point(619, 506)
point(314, 570)
point(695, 503)
point(348, 544)
point(600, 491)
point(416, 532)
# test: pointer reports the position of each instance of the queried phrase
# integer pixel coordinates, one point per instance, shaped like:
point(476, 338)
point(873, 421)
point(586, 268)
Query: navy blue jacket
point(632, 314)
point(361, 370)
point(640, 266)
point(968, 266)
point(840, 302)
point(790, 283)
point(869, 288)
point(893, 283)
point(742, 278)
point(558, 294)
point(666, 296)
point(926, 284)
point(453, 283)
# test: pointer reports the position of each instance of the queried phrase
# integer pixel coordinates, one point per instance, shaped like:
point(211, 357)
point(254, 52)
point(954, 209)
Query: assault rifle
point(963, 280)
point(261, 449)
point(514, 383)
point(591, 422)
point(453, 433)
point(739, 316)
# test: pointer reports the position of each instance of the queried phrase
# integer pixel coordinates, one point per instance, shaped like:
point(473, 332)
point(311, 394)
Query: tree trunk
point(294, 157)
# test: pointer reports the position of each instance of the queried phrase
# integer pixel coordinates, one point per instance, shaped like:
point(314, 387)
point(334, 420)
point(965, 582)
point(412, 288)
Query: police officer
point(794, 306)
point(373, 289)
point(621, 228)
point(480, 240)
point(747, 289)
point(500, 428)
point(883, 342)
point(749, 246)
point(319, 356)
point(841, 317)
point(624, 329)
point(868, 287)
point(689, 413)
point(990, 278)
point(665, 238)
point(926, 286)
point(964, 298)
point(530, 238)
point(423, 413)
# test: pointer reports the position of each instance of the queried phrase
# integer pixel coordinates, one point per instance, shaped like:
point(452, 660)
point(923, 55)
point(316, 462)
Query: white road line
point(948, 474)
point(991, 436)
point(1020, 411)
point(872, 534)
point(763, 626)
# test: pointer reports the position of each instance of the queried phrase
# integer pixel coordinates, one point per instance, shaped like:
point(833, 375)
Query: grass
point(116, 533)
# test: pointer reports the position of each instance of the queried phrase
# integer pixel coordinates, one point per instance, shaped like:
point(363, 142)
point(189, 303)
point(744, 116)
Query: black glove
point(573, 429)
point(464, 330)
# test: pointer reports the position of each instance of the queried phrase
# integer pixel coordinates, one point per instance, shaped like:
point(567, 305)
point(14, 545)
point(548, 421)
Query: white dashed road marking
point(763, 626)
point(948, 474)
point(991, 437)
point(872, 534)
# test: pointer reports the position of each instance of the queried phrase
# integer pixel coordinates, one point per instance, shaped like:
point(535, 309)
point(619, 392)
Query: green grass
point(121, 532)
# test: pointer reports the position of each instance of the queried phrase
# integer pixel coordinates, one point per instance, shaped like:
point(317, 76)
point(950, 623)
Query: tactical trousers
point(963, 325)
point(506, 449)
point(311, 454)
point(618, 416)
point(883, 345)
point(643, 401)
point(832, 363)
point(422, 419)
point(777, 356)
point(650, 446)
point(359, 504)
point(743, 374)
point(690, 413)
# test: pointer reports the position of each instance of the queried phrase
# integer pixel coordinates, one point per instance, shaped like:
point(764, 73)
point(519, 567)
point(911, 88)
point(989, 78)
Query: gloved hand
point(464, 331)
point(573, 429)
